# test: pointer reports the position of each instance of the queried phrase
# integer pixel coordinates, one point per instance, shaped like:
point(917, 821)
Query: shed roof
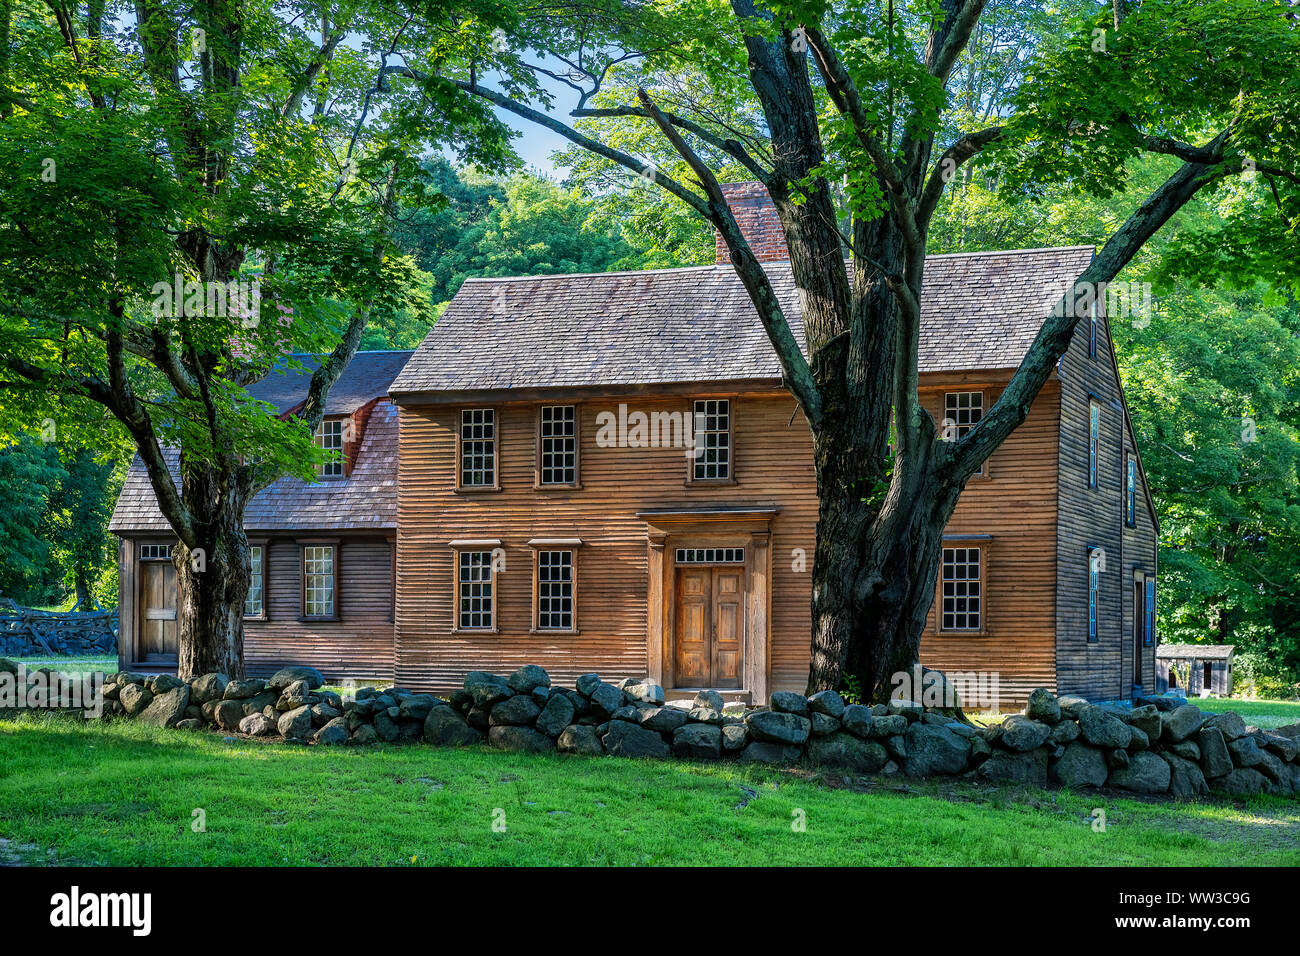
point(979, 311)
point(1196, 652)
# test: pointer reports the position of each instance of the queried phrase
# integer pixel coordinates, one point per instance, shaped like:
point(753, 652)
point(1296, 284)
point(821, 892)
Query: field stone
point(1186, 779)
point(1245, 752)
point(417, 707)
point(847, 751)
point(710, 700)
point(295, 723)
point(1229, 724)
point(479, 717)
point(897, 746)
point(664, 720)
point(1140, 741)
point(365, 734)
point(1146, 772)
point(162, 683)
point(1180, 724)
point(579, 739)
point(1216, 759)
point(134, 698)
point(1282, 747)
point(734, 737)
point(208, 687)
point(823, 725)
point(767, 752)
point(933, 750)
point(644, 692)
point(697, 741)
point(228, 713)
point(243, 689)
point(446, 728)
point(385, 727)
point(257, 725)
point(189, 723)
point(1004, 766)
point(1243, 782)
point(257, 703)
point(1273, 768)
point(788, 702)
point(519, 739)
point(1064, 732)
point(704, 715)
point(1024, 734)
point(518, 711)
point(858, 720)
point(1187, 749)
point(1146, 719)
point(527, 679)
point(1080, 766)
point(827, 702)
point(587, 684)
point(625, 739)
point(605, 700)
point(778, 728)
point(556, 715)
point(332, 734)
point(288, 675)
point(1042, 706)
point(168, 708)
point(1071, 706)
point(1117, 758)
point(486, 690)
point(1102, 728)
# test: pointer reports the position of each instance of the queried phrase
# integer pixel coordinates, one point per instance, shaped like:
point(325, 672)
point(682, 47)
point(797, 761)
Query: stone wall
point(1162, 747)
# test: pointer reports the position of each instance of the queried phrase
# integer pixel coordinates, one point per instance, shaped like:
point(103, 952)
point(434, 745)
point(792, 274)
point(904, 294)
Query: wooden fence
point(26, 631)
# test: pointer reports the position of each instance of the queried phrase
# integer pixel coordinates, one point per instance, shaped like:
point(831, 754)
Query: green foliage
point(1256, 675)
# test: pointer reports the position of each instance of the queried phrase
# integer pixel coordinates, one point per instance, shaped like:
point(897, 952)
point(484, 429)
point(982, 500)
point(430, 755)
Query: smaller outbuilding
point(1198, 669)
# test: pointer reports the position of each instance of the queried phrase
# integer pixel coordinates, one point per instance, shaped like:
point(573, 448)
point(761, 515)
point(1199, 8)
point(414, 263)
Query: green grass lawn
point(91, 793)
point(1261, 713)
point(70, 664)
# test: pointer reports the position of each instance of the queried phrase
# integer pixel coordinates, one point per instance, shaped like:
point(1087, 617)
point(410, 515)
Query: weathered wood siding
point(1094, 517)
point(358, 645)
point(1014, 503)
point(773, 466)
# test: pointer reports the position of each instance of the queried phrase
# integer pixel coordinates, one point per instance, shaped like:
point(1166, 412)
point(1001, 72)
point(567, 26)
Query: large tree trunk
point(212, 579)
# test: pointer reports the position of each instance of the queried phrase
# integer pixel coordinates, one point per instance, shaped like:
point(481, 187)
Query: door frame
point(1138, 633)
point(748, 528)
point(137, 655)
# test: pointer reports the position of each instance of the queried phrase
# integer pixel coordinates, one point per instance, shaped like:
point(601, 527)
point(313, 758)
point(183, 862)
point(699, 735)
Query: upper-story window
point(1094, 441)
point(962, 411)
point(329, 436)
point(478, 448)
point(253, 603)
point(557, 451)
point(712, 427)
point(1130, 491)
point(961, 574)
point(1092, 330)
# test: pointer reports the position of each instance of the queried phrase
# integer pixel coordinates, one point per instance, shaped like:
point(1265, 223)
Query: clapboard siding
point(773, 466)
point(1094, 517)
point(1014, 503)
point(359, 645)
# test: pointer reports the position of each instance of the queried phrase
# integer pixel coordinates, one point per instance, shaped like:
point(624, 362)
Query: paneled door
point(710, 630)
point(158, 640)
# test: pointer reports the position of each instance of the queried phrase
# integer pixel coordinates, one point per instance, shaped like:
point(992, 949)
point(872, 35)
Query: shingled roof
point(979, 311)
point(365, 499)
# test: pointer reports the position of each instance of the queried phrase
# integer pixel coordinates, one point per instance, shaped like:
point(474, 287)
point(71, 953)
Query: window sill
point(304, 619)
point(558, 486)
point(558, 632)
point(708, 482)
point(960, 632)
point(477, 489)
point(476, 630)
point(255, 618)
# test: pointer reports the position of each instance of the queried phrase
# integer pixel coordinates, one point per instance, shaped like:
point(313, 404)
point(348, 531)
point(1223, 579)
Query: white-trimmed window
point(329, 436)
point(319, 590)
point(1092, 330)
point(557, 436)
point(254, 604)
point(155, 552)
point(478, 448)
point(962, 411)
point(475, 591)
point(555, 590)
point(1094, 441)
point(712, 434)
point(962, 590)
point(1130, 491)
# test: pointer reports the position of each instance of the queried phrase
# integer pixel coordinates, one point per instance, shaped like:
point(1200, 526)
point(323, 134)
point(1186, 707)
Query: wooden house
point(1205, 669)
point(322, 551)
point(603, 473)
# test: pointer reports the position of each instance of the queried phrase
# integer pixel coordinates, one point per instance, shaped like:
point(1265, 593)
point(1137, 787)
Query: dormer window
point(329, 436)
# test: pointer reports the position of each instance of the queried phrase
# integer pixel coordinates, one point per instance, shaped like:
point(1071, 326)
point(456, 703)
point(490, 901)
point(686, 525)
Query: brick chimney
point(758, 221)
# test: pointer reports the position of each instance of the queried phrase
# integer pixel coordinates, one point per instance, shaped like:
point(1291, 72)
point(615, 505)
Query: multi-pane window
point(712, 440)
point(253, 603)
point(1092, 330)
point(1094, 441)
point(329, 436)
point(478, 448)
point(962, 411)
point(555, 590)
point(1149, 637)
point(558, 434)
point(710, 556)
point(1094, 591)
point(961, 589)
point(474, 590)
point(318, 581)
point(1130, 491)
point(155, 552)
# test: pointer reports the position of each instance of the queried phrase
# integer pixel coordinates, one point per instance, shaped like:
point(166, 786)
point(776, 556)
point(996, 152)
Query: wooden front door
point(710, 631)
point(157, 611)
